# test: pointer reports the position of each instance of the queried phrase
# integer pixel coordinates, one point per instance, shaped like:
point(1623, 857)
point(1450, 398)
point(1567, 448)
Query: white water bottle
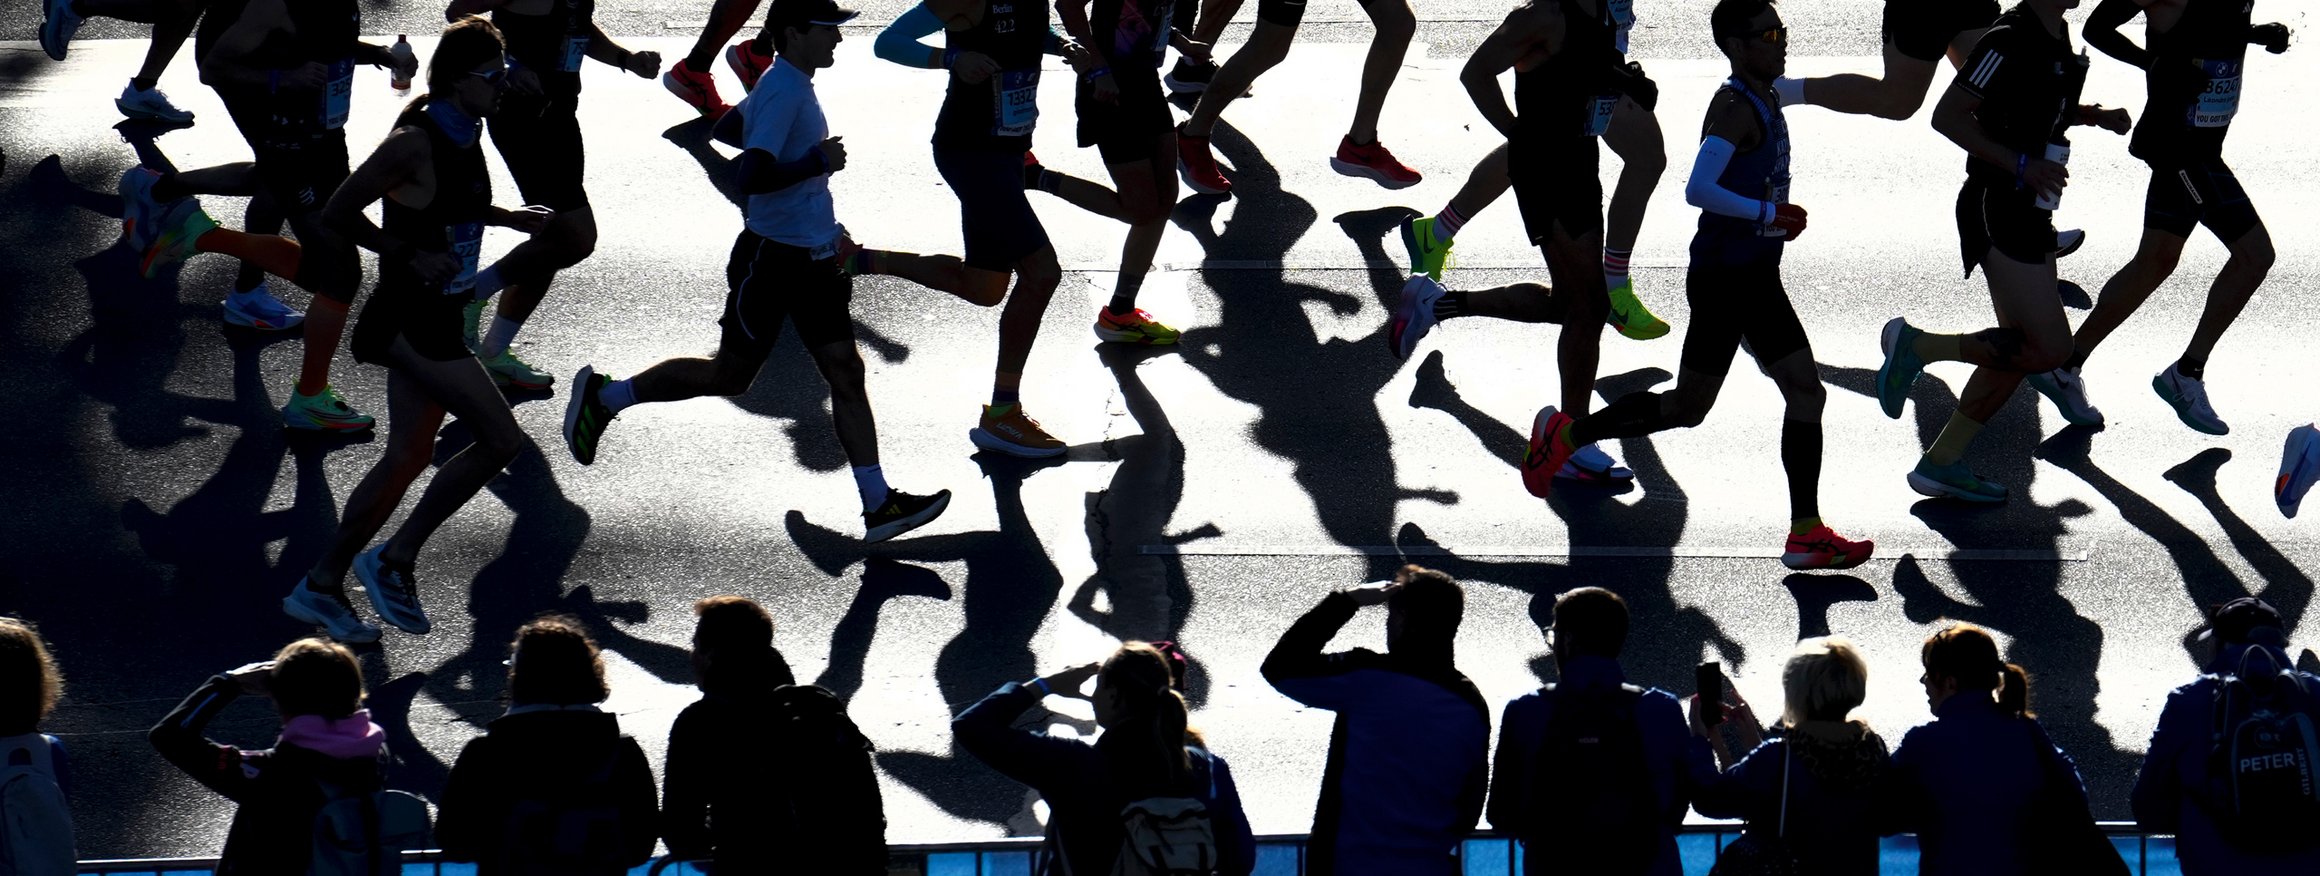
point(405, 59)
point(2058, 153)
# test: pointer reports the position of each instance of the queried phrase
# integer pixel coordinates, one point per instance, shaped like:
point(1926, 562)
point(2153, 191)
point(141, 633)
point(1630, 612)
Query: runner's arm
point(222, 768)
point(227, 63)
point(1524, 28)
point(762, 171)
point(2273, 37)
point(393, 165)
point(1982, 74)
point(1729, 124)
point(603, 49)
point(2102, 32)
point(900, 41)
point(1074, 15)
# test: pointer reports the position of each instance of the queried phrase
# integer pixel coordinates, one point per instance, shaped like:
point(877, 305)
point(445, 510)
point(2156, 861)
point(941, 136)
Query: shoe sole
point(237, 318)
point(181, 117)
point(2072, 246)
point(2182, 410)
point(1372, 174)
point(988, 440)
point(1635, 334)
point(366, 569)
point(1931, 488)
point(506, 382)
point(1115, 336)
point(582, 380)
point(311, 424)
point(1416, 297)
point(2053, 393)
point(2298, 469)
point(1186, 175)
point(1890, 340)
point(1809, 562)
point(1539, 487)
point(297, 612)
point(885, 531)
point(733, 60)
point(1183, 86)
point(685, 94)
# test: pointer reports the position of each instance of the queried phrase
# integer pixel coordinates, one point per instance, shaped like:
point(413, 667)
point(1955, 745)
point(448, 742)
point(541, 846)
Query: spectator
point(328, 753)
point(1388, 804)
point(1146, 751)
point(36, 831)
point(1594, 774)
point(2177, 792)
point(551, 787)
point(766, 775)
point(1810, 791)
point(1983, 787)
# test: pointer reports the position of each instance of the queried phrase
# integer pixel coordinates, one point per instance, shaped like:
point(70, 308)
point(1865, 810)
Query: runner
point(2009, 108)
point(1918, 33)
point(1634, 136)
point(786, 263)
point(537, 132)
point(172, 22)
point(2299, 468)
point(431, 173)
point(690, 79)
point(1203, 21)
point(2192, 67)
point(1741, 183)
point(982, 148)
point(1359, 153)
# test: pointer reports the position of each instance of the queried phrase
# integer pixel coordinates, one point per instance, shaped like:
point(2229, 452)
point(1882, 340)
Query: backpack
point(36, 830)
point(1592, 808)
point(366, 832)
point(565, 828)
point(828, 780)
point(2265, 760)
point(1166, 836)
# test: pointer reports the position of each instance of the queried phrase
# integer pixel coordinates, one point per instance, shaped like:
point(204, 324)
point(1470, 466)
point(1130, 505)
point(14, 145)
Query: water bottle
point(2058, 153)
point(405, 59)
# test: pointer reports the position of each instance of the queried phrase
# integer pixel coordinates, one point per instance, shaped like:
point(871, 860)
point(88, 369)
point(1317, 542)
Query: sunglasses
point(494, 77)
point(1777, 36)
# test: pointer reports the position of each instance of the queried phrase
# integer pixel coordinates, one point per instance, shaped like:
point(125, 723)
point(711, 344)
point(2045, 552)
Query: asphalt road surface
point(155, 513)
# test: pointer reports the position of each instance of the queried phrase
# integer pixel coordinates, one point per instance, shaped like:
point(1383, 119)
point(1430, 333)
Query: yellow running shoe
point(1630, 317)
point(1427, 256)
point(1014, 433)
point(1135, 327)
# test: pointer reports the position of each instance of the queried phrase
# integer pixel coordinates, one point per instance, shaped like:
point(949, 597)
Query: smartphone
point(1710, 683)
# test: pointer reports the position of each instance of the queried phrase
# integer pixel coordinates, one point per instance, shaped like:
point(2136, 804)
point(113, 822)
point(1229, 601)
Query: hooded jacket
point(278, 790)
point(544, 751)
point(773, 781)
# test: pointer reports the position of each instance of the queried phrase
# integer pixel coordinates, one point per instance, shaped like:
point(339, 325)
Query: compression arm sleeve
point(899, 42)
point(1703, 191)
point(2102, 32)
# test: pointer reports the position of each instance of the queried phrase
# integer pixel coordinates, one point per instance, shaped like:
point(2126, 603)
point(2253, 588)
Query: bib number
point(467, 247)
point(338, 94)
point(1776, 191)
point(1017, 103)
point(1599, 114)
point(575, 51)
point(2216, 105)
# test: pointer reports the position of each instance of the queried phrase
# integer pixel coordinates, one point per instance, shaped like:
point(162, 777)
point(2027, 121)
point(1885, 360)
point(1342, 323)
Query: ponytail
point(2014, 693)
point(1969, 654)
point(1152, 725)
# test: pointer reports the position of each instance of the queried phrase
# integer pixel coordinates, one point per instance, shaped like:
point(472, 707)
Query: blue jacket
point(1408, 760)
point(1679, 764)
point(1083, 801)
point(1832, 772)
point(1967, 783)
point(2169, 793)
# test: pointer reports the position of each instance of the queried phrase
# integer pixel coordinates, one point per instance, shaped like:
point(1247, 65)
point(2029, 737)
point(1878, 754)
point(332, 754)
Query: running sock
point(1447, 223)
point(1037, 176)
point(1451, 304)
point(499, 336)
point(1124, 294)
point(1791, 91)
point(871, 480)
point(618, 395)
point(1939, 348)
point(1006, 391)
point(2195, 369)
point(1950, 446)
point(273, 254)
point(1800, 454)
point(1615, 265)
point(143, 84)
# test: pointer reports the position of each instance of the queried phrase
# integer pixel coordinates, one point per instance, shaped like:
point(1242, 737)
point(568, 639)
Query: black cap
point(2236, 620)
point(801, 14)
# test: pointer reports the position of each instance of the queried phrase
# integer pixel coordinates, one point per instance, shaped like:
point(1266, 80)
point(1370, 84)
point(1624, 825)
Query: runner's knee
point(1805, 400)
point(986, 288)
point(842, 368)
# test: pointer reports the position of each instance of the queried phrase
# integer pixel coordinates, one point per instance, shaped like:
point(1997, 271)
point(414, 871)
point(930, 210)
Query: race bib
point(2216, 105)
point(1599, 114)
point(1017, 103)
point(1776, 192)
point(337, 94)
point(575, 51)
point(467, 247)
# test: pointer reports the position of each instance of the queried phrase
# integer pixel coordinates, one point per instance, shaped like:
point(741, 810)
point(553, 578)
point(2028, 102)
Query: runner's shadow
point(2286, 587)
point(2205, 577)
point(1815, 594)
point(692, 136)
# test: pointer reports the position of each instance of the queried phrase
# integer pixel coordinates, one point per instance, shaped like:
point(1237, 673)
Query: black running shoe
point(585, 416)
point(902, 513)
point(1190, 76)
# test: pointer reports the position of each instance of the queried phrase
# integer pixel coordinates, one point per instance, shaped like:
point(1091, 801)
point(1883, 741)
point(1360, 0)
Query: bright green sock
point(1803, 525)
point(1950, 446)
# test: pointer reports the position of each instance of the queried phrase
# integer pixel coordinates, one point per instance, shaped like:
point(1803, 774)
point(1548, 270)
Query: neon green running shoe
point(181, 228)
point(1630, 317)
point(325, 411)
point(1427, 256)
point(507, 370)
point(472, 325)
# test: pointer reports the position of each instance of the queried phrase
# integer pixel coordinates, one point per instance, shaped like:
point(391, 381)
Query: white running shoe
point(2068, 241)
point(1414, 316)
point(259, 309)
point(151, 104)
point(330, 614)
point(2188, 396)
point(2299, 468)
point(57, 27)
point(2067, 390)
point(394, 593)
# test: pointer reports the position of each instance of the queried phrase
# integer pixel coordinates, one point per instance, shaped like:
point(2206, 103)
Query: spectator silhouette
point(1985, 789)
point(766, 775)
point(2177, 791)
point(1810, 791)
point(552, 786)
point(1146, 750)
point(1594, 774)
point(1408, 765)
point(36, 832)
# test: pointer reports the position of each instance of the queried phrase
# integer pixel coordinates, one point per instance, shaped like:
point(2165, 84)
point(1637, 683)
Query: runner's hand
point(2273, 37)
point(646, 65)
point(252, 678)
point(835, 152)
point(974, 68)
point(2112, 119)
point(1789, 218)
point(2046, 177)
point(1107, 89)
point(529, 219)
point(399, 65)
point(434, 268)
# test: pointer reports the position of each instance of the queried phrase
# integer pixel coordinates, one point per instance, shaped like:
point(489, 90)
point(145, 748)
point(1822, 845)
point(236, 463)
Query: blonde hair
point(29, 681)
point(1825, 680)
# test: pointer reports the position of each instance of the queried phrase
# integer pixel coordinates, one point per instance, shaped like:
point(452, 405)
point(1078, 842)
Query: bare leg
point(466, 391)
point(1268, 45)
point(1484, 184)
point(568, 239)
point(1395, 25)
point(1897, 96)
point(2126, 290)
point(1635, 137)
point(1576, 268)
point(1036, 277)
point(169, 35)
point(841, 367)
point(413, 419)
point(2251, 260)
point(726, 19)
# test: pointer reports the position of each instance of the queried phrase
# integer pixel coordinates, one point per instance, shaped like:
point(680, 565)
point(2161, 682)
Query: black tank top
point(2178, 123)
point(552, 44)
point(322, 32)
point(452, 222)
point(1566, 99)
point(997, 114)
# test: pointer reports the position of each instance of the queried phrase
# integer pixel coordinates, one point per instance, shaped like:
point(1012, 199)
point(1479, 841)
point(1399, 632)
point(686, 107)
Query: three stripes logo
point(1986, 69)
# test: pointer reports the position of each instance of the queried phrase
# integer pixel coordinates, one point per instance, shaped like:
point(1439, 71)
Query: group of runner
point(283, 71)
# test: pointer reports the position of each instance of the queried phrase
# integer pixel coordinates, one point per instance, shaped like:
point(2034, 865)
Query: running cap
point(806, 13)
point(2239, 619)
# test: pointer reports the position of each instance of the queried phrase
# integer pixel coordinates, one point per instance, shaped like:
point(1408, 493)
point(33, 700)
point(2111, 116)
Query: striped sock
point(1615, 265)
point(1447, 223)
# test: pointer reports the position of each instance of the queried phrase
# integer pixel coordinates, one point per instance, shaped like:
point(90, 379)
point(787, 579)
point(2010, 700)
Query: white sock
point(871, 480)
point(618, 395)
point(499, 336)
point(1791, 91)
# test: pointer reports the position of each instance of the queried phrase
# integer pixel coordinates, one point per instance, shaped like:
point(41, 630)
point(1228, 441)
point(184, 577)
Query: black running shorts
point(539, 138)
point(2007, 218)
point(1286, 13)
point(1923, 29)
point(994, 215)
point(301, 175)
point(1557, 186)
point(767, 281)
point(1130, 128)
point(426, 319)
point(2198, 192)
point(1735, 303)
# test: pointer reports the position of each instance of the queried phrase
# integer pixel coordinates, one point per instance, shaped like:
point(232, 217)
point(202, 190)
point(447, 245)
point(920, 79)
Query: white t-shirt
point(783, 118)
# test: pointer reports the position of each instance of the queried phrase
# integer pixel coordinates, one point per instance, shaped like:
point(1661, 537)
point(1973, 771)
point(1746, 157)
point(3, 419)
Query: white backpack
point(36, 831)
point(1166, 836)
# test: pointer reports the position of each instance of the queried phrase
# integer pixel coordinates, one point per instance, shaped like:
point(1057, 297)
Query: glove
point(1789, 218)
point(2273, 37)
point(1631, 81)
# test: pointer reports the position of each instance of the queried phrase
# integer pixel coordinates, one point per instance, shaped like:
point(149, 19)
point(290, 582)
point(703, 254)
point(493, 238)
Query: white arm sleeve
point(1703, 192)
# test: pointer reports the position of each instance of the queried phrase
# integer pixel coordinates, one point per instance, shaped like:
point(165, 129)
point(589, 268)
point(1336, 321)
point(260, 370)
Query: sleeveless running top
point(552, 44)
point(1760, 173)
point(452, 222)
point(1139, 30)
point(2176, 123)
point(998, 113)
point(322, 32)
point(1566, 98)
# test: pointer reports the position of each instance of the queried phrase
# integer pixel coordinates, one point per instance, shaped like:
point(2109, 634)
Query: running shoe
point(151, 104)
point(585, 416)
point(2299, 467)
point(747, 63)
point(1189, 76)
point(1591, 463)
point(325, 411)
point(2067, 390)
point(1549, 449)
point(1824, 549)
point(140, 214)
point(507, 370)
point(1954, 481)
point(332, 614)
point(57, 27)
point(2188, 396)
point(1136, 327)
point(1413, 315)
point(697, 90)
point(1630, 317)
point(902, 513)
point(259, 309)
point(183, 222)
point(394, 592)
point(1902, 365)
point(1427, 255)
point(2068, 241)
point(1373, 162)
point(1014, 433)
point(471, 325)
point(1197, 165)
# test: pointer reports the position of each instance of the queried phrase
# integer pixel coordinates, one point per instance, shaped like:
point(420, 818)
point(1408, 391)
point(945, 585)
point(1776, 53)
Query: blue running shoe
point(2299, 467)
point(1902, 365)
